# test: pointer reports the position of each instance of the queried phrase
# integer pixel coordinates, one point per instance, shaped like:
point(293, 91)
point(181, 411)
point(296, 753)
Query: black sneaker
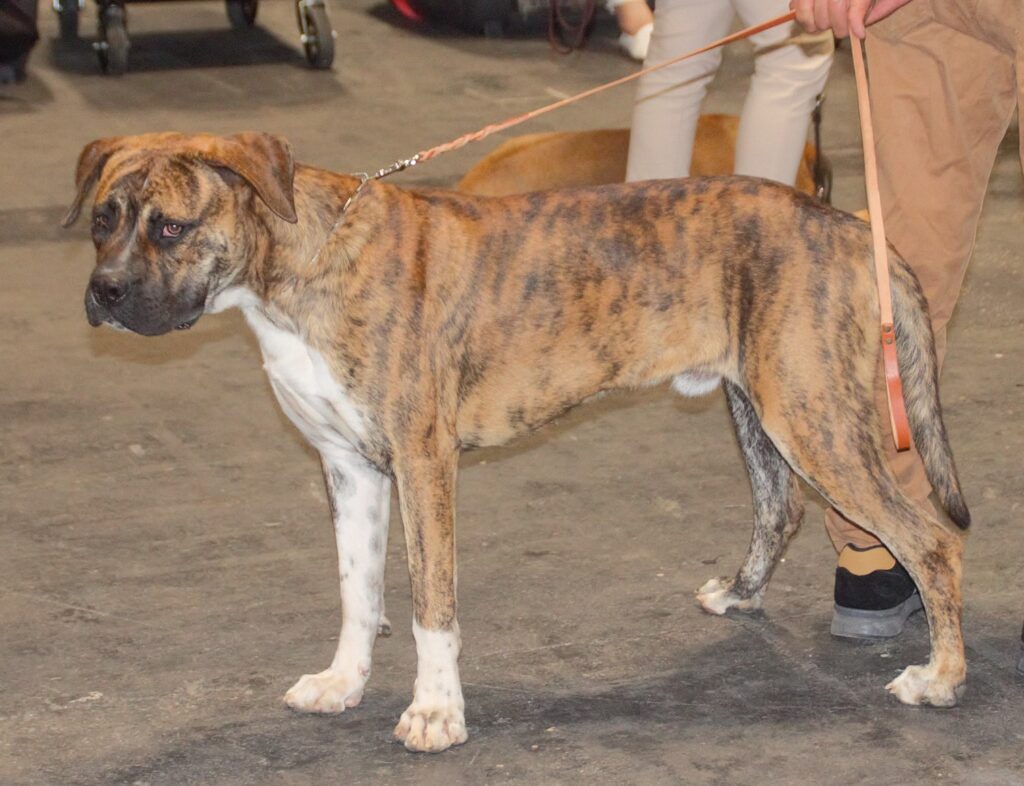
point(875, 605)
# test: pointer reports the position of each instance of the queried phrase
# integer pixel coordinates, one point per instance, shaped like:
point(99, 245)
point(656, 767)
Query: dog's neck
point(283, 259)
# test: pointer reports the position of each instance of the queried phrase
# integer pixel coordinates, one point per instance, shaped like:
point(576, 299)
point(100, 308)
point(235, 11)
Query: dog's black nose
point(109, 290)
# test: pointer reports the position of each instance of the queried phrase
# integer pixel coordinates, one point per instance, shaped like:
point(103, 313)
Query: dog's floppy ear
point(90, 165)
point(264, 161)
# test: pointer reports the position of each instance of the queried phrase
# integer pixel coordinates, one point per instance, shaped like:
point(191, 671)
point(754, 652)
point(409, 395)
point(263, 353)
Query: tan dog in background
point(420, 323)
point(569, 159)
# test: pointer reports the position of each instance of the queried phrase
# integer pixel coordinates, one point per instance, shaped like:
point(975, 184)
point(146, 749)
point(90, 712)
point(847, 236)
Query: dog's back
point(577, 291)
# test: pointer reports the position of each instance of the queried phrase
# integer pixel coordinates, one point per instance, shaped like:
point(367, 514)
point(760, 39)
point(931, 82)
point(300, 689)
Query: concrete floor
point(167, 569)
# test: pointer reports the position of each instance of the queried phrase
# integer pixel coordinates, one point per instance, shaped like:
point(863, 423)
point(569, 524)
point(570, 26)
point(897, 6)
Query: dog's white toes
point(717, 597)
point(431, 729)
point(920, 685)
point(328, 692)
point(384, 628)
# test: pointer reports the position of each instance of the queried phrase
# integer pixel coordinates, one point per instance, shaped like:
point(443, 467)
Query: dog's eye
point(100, 221)
point(171, 229)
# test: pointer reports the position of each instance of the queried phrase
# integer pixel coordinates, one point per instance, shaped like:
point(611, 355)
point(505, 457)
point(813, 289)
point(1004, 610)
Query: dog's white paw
point(384, 627)
point(329, 692)
point(921, 685)
point(431, 729)
point(717, 597)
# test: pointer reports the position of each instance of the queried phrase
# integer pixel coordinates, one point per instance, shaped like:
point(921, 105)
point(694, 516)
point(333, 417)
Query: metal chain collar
point(364, 178)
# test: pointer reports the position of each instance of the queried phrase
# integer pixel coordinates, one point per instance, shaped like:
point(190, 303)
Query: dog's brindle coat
point(427, 322)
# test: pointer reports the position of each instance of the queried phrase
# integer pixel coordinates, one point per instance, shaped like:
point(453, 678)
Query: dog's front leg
point(426, 488)
point(360, 499)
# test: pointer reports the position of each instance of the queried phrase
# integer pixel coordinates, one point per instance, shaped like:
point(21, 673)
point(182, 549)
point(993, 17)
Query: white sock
point(636, 45)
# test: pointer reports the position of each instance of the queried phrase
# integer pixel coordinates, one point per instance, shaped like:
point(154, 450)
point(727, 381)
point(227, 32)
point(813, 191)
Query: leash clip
point(364, 178)
point(398, 166)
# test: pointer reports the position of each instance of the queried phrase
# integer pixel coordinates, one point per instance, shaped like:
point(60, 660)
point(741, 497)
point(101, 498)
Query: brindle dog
point(419, 323)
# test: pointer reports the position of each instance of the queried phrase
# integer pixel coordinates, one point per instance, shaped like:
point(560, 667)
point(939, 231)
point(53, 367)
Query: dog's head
point(165, 221)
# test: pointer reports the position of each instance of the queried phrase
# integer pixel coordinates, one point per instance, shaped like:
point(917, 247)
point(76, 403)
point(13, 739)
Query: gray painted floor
point(166, 562)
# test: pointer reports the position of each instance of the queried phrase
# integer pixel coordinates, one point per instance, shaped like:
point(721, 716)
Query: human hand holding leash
point(844, 17)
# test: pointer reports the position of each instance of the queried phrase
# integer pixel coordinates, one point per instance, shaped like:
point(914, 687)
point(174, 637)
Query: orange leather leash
point(893, 384)
point(486, 131)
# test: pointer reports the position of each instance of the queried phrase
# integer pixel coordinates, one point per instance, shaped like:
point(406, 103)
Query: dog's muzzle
point(107, 302)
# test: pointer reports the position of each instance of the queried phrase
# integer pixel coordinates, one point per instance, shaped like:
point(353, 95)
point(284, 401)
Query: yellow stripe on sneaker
point(861, 562)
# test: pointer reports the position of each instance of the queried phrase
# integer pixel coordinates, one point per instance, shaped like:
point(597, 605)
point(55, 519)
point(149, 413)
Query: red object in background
point(407, 10)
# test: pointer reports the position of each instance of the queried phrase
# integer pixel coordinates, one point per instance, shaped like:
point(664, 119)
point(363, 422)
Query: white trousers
point(790, 69)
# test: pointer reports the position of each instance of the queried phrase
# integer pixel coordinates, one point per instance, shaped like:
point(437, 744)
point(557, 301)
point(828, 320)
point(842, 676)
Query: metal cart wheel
point(112, 48)
point(241, 13)
point(317, 35)
point(67, 15)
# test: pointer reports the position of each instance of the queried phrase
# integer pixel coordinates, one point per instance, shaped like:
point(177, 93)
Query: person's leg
point(790, 70)
point(936, 139)
point(667, 103)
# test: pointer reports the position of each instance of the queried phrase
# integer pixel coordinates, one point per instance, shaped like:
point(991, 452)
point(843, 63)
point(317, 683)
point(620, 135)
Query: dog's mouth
point(113, 323)
point(100, 315)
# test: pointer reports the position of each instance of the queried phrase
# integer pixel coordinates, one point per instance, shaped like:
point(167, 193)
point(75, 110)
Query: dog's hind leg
point(932, 554)
point(360, 500)
point(853, 474)
point(778, 512)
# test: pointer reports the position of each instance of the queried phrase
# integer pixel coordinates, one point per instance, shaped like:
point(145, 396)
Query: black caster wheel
point(113, 45)
point(241, 13)
point(317, 35)
point(67, 15)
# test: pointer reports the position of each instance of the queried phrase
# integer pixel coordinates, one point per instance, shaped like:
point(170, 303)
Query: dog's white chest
point(306, 389)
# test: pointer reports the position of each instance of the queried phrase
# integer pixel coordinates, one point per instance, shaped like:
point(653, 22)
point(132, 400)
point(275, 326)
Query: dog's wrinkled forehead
point(183, 164)
point(173, 184)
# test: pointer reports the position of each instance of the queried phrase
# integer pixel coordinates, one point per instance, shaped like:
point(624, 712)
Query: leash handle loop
point(893, 384)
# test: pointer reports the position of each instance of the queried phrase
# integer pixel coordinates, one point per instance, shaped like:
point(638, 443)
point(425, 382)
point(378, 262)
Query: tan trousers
point(946, 76)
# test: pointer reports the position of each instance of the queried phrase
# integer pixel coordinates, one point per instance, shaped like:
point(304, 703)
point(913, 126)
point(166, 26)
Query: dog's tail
point(915, 348)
